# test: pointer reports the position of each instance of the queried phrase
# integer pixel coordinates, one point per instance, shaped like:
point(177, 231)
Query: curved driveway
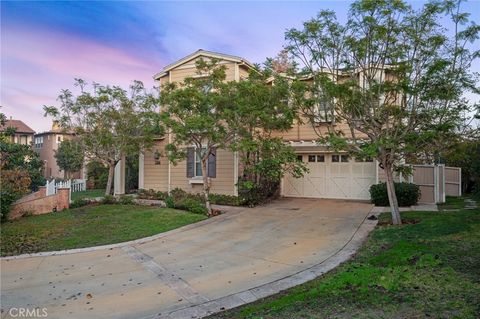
point(193, 265)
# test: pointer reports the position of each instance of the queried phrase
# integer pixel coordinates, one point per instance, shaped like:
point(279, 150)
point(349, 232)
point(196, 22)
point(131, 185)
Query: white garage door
point(332, 176)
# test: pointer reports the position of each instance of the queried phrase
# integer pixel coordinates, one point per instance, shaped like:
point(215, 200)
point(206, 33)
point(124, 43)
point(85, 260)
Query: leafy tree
point(70, 156)
point(109, 121)
point(23, 158)
point(194, 114)
point(392, 73)
point(98, 173)
point(466, 155)
point(258, 113)
point(21, 170)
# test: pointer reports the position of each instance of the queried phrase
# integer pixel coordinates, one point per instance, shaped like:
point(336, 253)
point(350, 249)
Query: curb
point(247, 296)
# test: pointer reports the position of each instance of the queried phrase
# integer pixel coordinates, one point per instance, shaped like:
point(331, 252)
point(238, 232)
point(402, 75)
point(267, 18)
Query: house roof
point(205, 53)
point(19, 126)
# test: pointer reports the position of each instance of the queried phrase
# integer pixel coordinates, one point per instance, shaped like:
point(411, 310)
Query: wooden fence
point(435, 182)
point(453, 181)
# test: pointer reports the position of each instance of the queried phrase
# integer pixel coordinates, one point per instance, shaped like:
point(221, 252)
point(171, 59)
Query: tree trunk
point(111, 171)
point(392, 196)
point(206, 185)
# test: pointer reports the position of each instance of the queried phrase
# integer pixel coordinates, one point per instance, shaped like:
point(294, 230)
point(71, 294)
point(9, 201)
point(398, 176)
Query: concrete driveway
point(193, 265)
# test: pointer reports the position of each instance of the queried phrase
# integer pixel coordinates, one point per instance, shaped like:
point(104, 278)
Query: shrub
point(407, 194)
point(79, 203)
point(230, 200)
point(152, 194)
point(169, 202)
point(192, 205)
point(126, 200)
point(14, 184)
point(109, 199)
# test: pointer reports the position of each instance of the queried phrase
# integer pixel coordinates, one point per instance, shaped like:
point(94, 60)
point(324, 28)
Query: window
point(344, 158)
point(316, 158)
point(198, 164)
point(39, 142)
point(335, 158)
point(59, 139)
point(300, 158)
point(194, 164)
point(23, 139)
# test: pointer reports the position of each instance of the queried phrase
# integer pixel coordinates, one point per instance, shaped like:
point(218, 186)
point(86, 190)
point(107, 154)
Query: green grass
point(89, 226)
point(91, 193)
point(452, 202)
point(427, 268)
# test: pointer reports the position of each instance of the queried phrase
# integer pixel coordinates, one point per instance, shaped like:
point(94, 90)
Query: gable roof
point(19, 126)
point(205, 53)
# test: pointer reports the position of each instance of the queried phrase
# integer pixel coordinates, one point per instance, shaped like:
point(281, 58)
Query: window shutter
point(212, 163)
point(190, 162)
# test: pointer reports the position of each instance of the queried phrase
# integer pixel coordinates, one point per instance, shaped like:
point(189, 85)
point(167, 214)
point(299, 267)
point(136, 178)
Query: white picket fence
point(75, 185)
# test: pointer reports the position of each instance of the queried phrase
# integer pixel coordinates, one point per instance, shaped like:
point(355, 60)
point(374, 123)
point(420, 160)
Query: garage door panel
point(340, 180)
point(314, 187)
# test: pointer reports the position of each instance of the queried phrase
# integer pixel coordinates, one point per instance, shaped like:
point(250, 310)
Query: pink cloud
point(37, 65)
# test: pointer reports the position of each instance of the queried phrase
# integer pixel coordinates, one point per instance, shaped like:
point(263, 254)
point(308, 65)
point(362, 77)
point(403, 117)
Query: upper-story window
point(59, 139)
point(23, 139)
point(39, 142)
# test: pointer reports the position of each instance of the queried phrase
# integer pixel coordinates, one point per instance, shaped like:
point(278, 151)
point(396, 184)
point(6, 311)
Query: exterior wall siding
point(156, 175)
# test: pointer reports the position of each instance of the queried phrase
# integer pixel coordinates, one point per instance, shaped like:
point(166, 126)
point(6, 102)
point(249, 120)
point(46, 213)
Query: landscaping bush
point(192, 205)
point(109, 199)
point(152, 194)
point(13, 185)
point(408, 194)
point(230, 200)
point(79, 203)
point(126, 200)
point(169, 202)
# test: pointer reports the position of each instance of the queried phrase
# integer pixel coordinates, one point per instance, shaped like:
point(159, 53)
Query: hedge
point(408, 194)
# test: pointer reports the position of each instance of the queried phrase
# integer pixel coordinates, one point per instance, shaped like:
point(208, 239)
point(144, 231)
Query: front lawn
point(427, 268)
point(90, 193)
point(89, 226)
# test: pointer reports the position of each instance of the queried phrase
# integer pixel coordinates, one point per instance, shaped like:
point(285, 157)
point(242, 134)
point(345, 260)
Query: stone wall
point(38, 203)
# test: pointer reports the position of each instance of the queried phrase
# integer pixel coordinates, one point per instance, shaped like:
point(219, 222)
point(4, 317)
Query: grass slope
point(427, 268)
point(89, 226)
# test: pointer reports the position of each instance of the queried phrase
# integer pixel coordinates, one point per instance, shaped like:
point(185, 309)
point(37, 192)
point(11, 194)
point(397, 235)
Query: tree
point(194, 115)
point(109, 121)
point(70, 156)
point(259, 112)
point(21, 170)
point(393, 74)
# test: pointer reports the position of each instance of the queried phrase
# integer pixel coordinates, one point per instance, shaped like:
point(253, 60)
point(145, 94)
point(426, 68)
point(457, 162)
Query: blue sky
point(45, 45)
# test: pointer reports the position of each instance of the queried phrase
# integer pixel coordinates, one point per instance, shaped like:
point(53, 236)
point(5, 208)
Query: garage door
point(332, 176)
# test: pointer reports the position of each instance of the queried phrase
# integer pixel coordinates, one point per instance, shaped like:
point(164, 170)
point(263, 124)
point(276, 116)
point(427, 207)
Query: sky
point(45, 45)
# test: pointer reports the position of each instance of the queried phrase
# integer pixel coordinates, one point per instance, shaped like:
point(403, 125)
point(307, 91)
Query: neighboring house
point(23, 133)
point(331, 174)
point(45, 144)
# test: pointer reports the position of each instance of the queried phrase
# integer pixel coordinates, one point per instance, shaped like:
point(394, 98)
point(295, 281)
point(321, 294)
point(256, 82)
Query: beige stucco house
point(45, 144)
point(332, 175)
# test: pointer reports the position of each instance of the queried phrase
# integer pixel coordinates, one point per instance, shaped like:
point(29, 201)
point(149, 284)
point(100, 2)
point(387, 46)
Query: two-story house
point(331, 175)
point(46, 144)
point(23, 133)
